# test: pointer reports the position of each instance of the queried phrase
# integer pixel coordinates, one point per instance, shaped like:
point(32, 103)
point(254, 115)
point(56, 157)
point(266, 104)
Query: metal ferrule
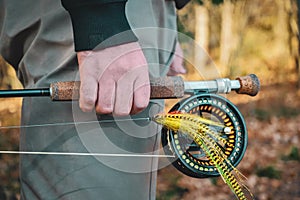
point(222, 86)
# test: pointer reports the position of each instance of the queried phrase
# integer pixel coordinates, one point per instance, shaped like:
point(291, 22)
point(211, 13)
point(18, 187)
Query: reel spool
point(190, 159)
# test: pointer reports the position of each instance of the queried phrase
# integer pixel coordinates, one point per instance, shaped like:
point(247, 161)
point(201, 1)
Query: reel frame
point(189, 157)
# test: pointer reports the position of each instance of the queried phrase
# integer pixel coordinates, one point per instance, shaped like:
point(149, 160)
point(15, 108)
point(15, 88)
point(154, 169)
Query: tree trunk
point(291, 8)
point(202, 26)
point(226, 34)
point(298, 5)
point(201, 57)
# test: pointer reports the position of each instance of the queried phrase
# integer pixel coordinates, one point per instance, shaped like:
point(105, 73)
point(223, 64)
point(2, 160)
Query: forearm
point(95, 21)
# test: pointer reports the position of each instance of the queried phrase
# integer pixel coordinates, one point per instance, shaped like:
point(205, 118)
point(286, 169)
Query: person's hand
point(114, 80)
point(176, 67)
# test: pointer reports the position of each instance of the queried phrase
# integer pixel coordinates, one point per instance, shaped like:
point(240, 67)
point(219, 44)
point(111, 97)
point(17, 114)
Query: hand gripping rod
point(161, 88)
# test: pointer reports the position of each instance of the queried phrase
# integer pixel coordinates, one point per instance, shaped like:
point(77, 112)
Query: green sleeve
point(181, 3)
point(94, 21)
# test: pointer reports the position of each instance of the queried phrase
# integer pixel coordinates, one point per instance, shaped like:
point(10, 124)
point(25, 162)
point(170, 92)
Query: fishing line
point(73, 123)
point(86, 154)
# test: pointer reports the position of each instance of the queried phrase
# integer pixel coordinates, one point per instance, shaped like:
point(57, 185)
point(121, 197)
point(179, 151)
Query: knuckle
point(121, 112)
point(142, 104)
point(86, 104)
point(84, 108)
point(104, 110)
point(88, 101)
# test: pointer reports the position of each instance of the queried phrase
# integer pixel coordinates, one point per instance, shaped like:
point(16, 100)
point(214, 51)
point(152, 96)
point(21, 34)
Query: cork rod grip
point(249, 85)
point(161, 88)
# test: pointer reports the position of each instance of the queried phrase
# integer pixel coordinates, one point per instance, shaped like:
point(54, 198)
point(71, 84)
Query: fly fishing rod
point(161, 88)
point(198, 97)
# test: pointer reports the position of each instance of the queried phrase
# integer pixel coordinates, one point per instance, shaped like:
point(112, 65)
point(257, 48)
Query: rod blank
point(25, 93)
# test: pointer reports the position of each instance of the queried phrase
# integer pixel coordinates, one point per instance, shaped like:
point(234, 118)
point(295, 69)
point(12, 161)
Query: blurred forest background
point(234, 38)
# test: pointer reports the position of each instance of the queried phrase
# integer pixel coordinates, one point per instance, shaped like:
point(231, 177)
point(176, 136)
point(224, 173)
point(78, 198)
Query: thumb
point(176, 70)
point(176, 66)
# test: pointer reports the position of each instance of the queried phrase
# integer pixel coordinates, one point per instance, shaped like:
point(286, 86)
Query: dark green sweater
point(94, 21)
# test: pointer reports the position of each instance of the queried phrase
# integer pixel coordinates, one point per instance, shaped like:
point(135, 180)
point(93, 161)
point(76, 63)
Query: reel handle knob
point(161, 88)
point(248, 85)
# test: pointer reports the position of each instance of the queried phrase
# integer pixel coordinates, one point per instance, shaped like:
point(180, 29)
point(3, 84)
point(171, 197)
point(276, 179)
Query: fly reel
point(189, 157)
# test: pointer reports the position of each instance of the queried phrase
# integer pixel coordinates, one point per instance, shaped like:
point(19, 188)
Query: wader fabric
point(36, 38)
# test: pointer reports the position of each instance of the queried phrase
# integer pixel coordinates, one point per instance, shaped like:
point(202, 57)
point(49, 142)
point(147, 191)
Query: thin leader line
point(86, 154)
point(74, 123)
